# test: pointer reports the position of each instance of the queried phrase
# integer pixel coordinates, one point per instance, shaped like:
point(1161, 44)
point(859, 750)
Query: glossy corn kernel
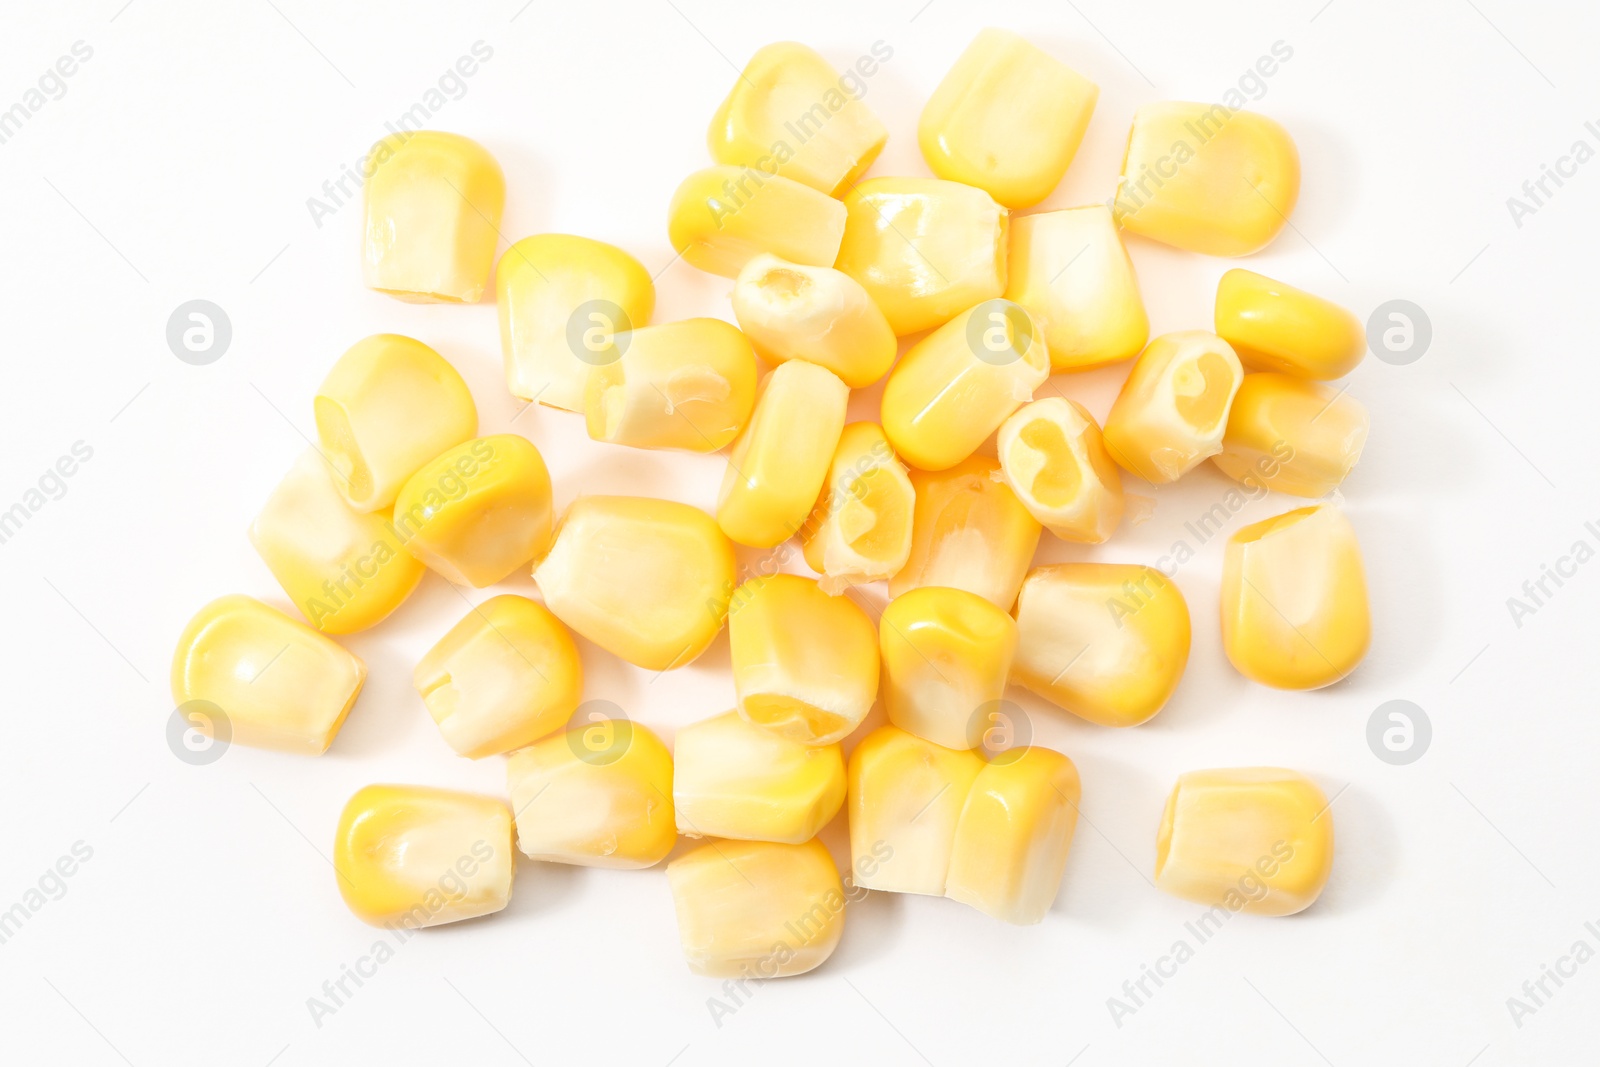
point(755, 909)
point(1105, 641)
point(1054, 459)
point(1250, 839)
point(595, 796)
point(433, 205)
point(778, 464)
point(817, 314)
point(1007, 118)
point(946, 653)
point(504, 676)
point(1206, 178)
point(861, 529)
point(478, 511)
point(805, 664)
point(343, 569)
point(647, 580)
point(563, 300)
point(688, 385)
point(1294, 599)
point(1070, 270)
point(968, 531)
point(737, 780)
point(924, 249)
point(905, 798)
point(388, 406)
point(1276, 327)
point(1173, 409)
point(723, 216)
point(791, 112)
point(957, 385)
point(1291, 435)
point(407, 855)
point(277, 682)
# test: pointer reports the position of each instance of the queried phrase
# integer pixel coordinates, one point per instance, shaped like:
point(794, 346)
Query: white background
point(178, 164)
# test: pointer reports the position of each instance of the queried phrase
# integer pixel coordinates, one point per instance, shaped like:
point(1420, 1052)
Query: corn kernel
point(968, 531)
point(1250, 839)
point(722, 216)
point(687, 385)
point(1173, 409)
point(1291, 435)
point(946, 653)
point(1055, 461)
point(734, 779)
point(1276, 327)
point(817, 314)
point(861, 529)
point(1294, 599)
point(905, 798)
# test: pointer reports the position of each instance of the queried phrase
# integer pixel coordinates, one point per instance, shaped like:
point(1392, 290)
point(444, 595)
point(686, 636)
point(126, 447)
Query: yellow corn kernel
point(789, 93)
point(924, 249)
point(563, 300)
point(1106, 641)
point(433, 205)
point(1013, 835)
point(1202, 177)
point(734, 779)
point(1173, 409)
point(905, 798)
point(817, 314)
point(778, 464)
point(755, 909)
point(687, 385)
point(722, 216)
point(504, 676)
point(1250, 839)
point(958, 384)
point(968, 531)
point(1294, 599)
point(1295, 436)
point(1007, 118)
point(946, 653)
point(805, 664)
point(478, 511)
point(345, 570)
point(407, 855)
point(647, 580)
point(595, 796)
point(277, 682)
point(1070, 270)
point(1276, 327)
point(1054, 459)
point(388, 406)
point(861, 529)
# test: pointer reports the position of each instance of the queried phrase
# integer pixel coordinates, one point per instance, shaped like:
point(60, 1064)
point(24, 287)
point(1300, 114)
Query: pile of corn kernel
point(829, 270)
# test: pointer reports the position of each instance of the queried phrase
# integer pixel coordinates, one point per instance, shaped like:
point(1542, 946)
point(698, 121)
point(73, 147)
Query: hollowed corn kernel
point(504, 676)
point(1276, 327)
point(778, 464)
point(1250, 839)
point(1055, 461)
point(805, 664)
point(1295, 436)
point(861, 529)
point(905, 797)
point(737, 780)
point(817, 314)
point(946, 653)
point(924, 249)
point(595, 803)
point(754, 909)
point(563, 300)
point(1007, 118)
point(687, 385)
point(478, 511)
point(278, 683)
point(1294, 599)
point(1106, 641)
point(647, 580)
point(1013, 835)
point(788, 93)
point(388, 406)
point(721, 217)
point(1070, 270)
point(1207, 178)
point(345, 570)
point(433, 205)
point(957, 385)
point(1173, 409)
point(969, 531)
point(407, 855)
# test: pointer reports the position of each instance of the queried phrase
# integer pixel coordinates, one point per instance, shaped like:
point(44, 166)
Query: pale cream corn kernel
point(687, 385)
point(946, 654)
point(968, 531)
point(905, 798)
point(818, 314)
point(1054, 459)
point(1276, 327)
point(1173, 409)
point(1294, 436)
point(721, 217)
point(734, 779)
point(861, 529)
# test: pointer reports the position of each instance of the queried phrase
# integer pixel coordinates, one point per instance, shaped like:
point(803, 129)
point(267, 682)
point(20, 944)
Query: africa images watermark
point(1538, 591)
point(49, 86)
point(1537, 191)
point(50, 886)
point(1538, 992)
point(50, 486)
